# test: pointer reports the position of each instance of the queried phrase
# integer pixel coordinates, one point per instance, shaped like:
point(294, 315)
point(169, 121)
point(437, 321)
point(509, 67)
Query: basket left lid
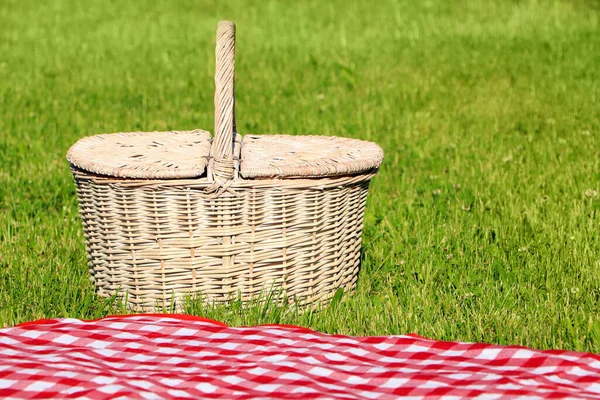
point(143, 155)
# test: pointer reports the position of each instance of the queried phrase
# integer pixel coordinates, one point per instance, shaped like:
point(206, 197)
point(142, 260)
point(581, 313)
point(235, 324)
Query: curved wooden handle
point(221, 168)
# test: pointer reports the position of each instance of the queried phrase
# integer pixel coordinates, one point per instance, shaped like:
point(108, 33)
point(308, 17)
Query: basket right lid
point(272, 156)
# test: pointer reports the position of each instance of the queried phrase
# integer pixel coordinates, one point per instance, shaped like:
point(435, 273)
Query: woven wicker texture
point(161, 240)
point(221, 167)
point(219, 236)
point(146, 155)
point(308, 156)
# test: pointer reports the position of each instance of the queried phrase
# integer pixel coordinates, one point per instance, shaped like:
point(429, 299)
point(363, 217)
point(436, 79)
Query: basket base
point(199, 303)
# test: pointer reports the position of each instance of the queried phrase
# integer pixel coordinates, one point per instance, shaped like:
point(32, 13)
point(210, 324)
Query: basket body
point(159, 241)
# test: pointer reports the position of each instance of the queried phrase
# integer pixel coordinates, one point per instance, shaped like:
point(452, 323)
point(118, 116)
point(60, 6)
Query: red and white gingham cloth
point(175, 356)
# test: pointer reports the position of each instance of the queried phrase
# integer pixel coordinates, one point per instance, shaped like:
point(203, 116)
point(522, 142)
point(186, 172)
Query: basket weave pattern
point(305, 241)
point(157, 230)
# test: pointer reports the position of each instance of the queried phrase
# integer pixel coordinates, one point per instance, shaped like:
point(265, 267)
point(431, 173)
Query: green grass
point(483, 223)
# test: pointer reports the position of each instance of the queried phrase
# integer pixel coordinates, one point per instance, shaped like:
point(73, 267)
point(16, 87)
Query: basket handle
point(221, 166)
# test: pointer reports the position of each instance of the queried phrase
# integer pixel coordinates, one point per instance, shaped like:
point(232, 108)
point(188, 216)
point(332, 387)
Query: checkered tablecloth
point(174, 356)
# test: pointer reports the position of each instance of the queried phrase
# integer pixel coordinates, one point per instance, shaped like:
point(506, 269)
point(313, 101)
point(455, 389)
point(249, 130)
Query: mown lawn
point(483, 223)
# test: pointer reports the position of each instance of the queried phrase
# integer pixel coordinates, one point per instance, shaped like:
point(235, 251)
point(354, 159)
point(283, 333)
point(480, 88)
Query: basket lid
point(144, 155)
point(270, 156)
point(192, 154)
point(184, 154)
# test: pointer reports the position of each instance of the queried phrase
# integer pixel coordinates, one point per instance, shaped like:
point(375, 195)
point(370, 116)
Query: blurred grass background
point(482, 224)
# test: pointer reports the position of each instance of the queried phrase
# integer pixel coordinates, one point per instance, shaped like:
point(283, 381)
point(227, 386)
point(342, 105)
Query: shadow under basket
point(167, 215)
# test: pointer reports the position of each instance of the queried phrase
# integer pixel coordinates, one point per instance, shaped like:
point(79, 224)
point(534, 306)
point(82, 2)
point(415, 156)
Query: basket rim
point(318, 183)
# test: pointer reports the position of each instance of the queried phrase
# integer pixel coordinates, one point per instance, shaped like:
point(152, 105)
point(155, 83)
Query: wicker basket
point(171, 214)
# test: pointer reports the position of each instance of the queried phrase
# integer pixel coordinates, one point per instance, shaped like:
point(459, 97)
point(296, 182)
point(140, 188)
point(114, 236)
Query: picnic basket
point(168, 215)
